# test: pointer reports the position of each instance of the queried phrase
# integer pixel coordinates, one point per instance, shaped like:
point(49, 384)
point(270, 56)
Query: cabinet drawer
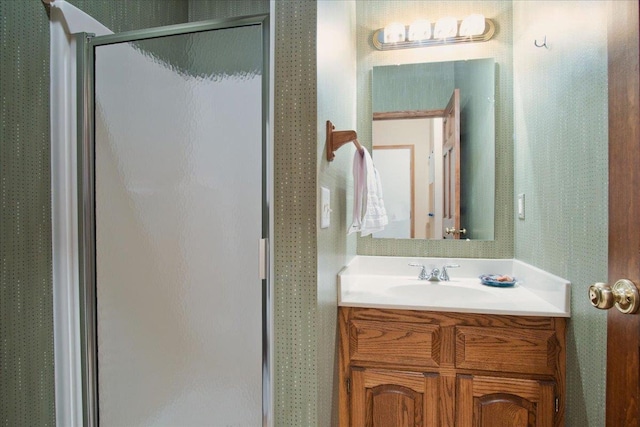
point(397, 343)
point(526, 351)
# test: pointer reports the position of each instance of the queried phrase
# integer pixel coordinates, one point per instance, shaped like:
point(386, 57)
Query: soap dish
point(492, 280)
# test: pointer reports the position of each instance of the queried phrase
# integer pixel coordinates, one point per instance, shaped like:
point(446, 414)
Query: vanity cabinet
point(406, 368)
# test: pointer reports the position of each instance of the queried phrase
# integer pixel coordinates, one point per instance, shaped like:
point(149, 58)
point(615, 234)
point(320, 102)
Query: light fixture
point(419, 30)
point(446, 28)
point(474, 28)
point(472, 25)
point(394, 33)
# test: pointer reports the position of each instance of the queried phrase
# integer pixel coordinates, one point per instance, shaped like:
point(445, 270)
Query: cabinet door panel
point(504, 402)
point(389, 398)
point(393, 405)
point(504, 410)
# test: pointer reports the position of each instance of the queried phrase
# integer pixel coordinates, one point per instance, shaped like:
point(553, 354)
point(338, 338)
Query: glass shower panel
point(178, 186)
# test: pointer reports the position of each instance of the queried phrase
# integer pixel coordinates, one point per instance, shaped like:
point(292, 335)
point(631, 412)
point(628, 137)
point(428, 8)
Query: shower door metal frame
point(86, 44)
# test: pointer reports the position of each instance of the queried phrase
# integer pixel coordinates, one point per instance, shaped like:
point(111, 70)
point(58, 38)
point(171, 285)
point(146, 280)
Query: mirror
point(433, 133)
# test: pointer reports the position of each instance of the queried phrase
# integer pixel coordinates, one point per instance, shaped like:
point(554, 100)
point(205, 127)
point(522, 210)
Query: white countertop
point(389, 282)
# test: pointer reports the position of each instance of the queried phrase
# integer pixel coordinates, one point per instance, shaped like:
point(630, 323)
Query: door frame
point(85, 54)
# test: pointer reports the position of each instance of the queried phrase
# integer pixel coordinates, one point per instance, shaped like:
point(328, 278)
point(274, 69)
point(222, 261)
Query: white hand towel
point(367, 193)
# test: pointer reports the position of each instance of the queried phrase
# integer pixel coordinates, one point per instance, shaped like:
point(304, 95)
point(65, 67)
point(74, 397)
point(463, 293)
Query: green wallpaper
point(412, 86)
point(129, 15)
point(215, 9)
point(561, 165)
point(295, 186)
point(372, 15)
point(26, 316)
point(335, 101)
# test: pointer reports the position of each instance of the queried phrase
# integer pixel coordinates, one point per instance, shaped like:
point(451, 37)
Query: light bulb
point(394, 32)
point(445, 28)
point(472, 25)
point(420, 30)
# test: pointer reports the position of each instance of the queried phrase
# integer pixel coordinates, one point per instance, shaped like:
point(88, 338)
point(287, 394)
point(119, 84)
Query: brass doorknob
point(452, 230)
point(624, 295)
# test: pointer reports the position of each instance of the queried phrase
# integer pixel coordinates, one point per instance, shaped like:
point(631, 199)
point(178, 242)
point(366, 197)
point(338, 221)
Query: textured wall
point(295, 134)
point(412, 86)
point(129, 15)
point(336, 102)
point(215, 9)
point(561, 165)
point(26, 315)
point(370, 16)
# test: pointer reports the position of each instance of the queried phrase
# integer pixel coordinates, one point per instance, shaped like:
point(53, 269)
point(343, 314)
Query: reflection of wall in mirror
point(476, 81)
point(420, 134)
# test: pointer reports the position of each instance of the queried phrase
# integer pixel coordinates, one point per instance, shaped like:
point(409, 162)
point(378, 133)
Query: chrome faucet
point(434, 275)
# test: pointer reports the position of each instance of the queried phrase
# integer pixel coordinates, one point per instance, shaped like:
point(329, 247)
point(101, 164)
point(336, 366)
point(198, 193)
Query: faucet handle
point(423, 273)
point(444, 276)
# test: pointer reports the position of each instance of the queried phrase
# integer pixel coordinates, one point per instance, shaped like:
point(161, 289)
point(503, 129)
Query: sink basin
point(440, 293)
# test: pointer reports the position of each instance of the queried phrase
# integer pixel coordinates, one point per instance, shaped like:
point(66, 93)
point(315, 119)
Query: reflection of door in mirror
point(451, 165)
point(435, 137)
point(392, 137)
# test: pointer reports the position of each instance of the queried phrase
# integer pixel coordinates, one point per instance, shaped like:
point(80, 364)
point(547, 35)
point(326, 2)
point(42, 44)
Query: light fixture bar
point(378, 39)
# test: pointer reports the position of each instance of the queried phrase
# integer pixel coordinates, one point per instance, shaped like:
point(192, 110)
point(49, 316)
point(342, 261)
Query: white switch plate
point(521, 206)
point(325, 207)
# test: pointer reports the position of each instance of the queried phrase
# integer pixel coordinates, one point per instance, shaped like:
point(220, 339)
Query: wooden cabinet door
point(504, 402)
point(381, 398)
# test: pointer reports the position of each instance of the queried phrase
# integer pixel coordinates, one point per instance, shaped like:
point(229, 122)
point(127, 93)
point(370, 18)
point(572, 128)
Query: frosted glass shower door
point(178, 222)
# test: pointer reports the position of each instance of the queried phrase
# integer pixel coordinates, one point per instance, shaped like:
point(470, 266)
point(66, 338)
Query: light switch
point(521, 206)
point(325, 207)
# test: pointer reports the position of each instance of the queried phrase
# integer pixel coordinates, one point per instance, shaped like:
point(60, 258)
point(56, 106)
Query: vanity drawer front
point(526, 351)
point(396, 343)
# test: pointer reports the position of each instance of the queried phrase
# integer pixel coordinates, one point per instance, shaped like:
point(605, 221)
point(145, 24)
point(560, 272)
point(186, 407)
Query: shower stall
point(173, 220)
